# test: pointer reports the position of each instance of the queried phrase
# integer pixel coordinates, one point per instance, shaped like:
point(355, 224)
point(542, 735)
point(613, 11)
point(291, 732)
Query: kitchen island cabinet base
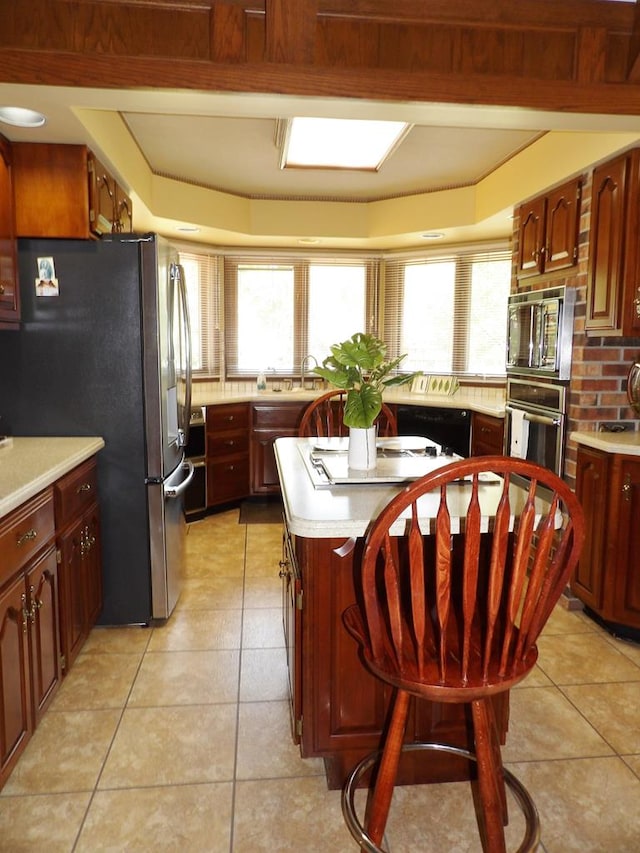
point(339, 711)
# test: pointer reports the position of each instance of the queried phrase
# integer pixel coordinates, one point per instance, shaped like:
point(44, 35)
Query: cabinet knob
point(636, 302)
point(1, 289)
point(626, 488)
point(85, 487)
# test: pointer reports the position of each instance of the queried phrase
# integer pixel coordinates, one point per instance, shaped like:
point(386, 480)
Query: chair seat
point(427, 683)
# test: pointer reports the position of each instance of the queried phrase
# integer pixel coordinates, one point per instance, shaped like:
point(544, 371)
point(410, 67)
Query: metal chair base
point(523, 798)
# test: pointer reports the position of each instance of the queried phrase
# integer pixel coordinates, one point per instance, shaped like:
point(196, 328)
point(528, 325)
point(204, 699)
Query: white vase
point(362, 448)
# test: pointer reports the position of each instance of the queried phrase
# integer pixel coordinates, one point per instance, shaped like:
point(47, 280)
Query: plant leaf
point(362, 407)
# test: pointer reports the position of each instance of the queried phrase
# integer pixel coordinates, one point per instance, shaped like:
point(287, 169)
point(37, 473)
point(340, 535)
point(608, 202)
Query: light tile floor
point(177, 737)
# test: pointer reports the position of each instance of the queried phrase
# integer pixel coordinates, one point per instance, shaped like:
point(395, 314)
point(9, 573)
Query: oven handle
point(538, 419)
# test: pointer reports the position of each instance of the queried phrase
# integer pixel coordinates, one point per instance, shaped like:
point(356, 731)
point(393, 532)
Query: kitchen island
point(338, 709)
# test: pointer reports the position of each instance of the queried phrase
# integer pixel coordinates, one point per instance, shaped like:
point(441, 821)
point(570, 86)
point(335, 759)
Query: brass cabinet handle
point(284, 569)
point(636, 302)
point(29, 536)
point(1, 289)
point(85, 487)
point(25, 613)
point(626, 488)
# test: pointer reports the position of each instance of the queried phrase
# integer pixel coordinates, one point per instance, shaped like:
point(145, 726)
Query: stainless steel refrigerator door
point(166, 356)
point(167, 538)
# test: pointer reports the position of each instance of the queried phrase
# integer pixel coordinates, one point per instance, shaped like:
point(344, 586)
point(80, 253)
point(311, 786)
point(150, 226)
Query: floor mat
point(261, 511)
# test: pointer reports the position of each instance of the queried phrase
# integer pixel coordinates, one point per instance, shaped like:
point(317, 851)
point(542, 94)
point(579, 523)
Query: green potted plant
point(360, 366)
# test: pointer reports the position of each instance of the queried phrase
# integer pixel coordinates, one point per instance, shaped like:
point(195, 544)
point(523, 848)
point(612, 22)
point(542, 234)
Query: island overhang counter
point(338, 709)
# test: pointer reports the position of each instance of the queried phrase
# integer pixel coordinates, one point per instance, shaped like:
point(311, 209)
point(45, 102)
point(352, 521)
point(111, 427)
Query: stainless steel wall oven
point(536, 413)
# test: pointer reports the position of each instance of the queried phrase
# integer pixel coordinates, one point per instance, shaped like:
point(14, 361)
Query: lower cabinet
point(29, 624)
point(607, 578)
point(292, 628)
point(487, 435)
point(338, 709)
point(270, 421)
point(227, 453)
point(50, 597)
point(78, 526)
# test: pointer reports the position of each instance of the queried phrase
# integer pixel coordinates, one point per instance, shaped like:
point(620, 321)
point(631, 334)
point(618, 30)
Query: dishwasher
point(451, 428)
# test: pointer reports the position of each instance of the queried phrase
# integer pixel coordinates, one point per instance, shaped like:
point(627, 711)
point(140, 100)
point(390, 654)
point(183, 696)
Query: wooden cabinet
point(227, 453)
point(549, 230)
point(613, 287)
point(607, 578)
point(270, 421)
point(487, 435)
point(29, 624)
point(79, 555)
point(64, 191)
point(9, 290)
point(292, 598)
point(340, 709)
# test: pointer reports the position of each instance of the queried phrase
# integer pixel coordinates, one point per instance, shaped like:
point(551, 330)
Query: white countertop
point(29, 465)
point(347, 510)
point(459, 400)
point(627, 443)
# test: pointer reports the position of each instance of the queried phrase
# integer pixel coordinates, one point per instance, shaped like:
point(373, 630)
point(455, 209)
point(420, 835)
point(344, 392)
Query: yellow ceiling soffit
point(553, 157)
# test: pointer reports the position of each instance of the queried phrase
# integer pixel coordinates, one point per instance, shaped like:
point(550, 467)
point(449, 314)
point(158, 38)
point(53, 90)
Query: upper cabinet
point(548, 230)
point(64, 191)
point(613, 288)
point(9, 290)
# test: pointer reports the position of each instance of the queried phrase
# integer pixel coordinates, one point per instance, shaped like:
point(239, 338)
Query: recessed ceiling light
point(192, 229)
point(333, 143)
point(433, 235)
point(21, 117)
point(308, 241)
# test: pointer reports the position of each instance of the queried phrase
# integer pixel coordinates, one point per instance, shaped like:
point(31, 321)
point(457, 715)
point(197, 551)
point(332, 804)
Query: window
point(279, 310)
point(448, 313)
point(201, 273)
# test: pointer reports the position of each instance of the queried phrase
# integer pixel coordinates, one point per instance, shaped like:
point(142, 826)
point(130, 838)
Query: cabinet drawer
point(228, 480)
point(24, 532)
point(276, 415)
point(228, 417)
point(76, 491)
point(228, 444)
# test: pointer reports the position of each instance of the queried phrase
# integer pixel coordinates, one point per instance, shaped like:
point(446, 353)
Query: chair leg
point(491, 786)
point(380, 802)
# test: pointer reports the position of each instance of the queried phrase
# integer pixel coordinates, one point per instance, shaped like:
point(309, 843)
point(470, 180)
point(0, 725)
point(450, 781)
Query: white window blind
point(203, 293)
point(280, 309)
point(448, 312)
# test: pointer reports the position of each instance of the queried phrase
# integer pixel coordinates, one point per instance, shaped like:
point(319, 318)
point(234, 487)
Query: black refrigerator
point(103, 349)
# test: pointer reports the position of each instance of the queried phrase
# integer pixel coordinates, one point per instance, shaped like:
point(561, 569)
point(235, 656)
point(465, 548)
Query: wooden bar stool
point(323, 417)
point(454, 616)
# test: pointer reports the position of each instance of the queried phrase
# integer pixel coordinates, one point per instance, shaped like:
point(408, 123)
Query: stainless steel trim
point(182, 288)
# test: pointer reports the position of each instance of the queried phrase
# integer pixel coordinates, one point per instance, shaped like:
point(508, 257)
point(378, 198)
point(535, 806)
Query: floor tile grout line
point(237, 734)
point(110, 747)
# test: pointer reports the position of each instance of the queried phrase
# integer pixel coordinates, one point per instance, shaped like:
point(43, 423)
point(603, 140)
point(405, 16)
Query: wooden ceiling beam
point(64, 69)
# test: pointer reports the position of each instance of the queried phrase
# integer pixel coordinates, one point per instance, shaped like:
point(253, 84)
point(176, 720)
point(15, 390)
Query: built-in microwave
point(540, 332)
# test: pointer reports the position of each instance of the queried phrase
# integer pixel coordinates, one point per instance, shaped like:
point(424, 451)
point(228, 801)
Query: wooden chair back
point(323, 417)
point(461, 609)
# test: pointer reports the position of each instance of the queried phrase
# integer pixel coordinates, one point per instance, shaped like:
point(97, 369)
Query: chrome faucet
point(304, 365)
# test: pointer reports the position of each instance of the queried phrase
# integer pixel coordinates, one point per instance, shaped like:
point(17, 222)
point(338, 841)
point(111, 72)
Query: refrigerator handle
point(183, 431)
point(172, 490)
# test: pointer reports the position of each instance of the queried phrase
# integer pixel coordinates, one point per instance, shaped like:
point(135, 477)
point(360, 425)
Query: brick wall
point(598, 385)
